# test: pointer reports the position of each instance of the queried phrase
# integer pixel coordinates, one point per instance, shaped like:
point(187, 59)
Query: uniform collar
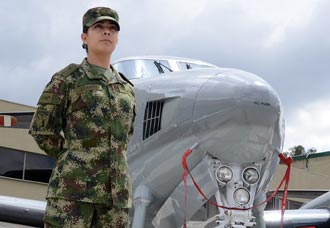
point(116, 77)
point(93, 74)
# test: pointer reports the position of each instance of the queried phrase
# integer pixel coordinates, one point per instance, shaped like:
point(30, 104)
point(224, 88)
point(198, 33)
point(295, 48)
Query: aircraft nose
point(237, 112)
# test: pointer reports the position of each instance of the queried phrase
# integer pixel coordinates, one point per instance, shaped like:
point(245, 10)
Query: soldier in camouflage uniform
point(84, 120)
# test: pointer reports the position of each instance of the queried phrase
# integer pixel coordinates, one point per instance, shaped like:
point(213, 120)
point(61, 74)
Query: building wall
point(311, 173)
point(16, 141)
point(23, 189)
point(8, 106)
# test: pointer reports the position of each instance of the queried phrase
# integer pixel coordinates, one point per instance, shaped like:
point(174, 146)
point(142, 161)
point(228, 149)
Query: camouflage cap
point(96, 14)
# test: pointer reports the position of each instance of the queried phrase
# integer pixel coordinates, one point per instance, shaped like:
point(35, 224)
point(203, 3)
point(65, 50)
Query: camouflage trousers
point(74, 214)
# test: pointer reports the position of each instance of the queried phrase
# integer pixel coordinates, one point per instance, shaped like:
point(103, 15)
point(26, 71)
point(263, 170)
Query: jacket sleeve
point(131, 130)
point(46, 126)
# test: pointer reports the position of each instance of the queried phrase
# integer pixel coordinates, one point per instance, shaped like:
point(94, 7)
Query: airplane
point(226, 125)
point(233, 121)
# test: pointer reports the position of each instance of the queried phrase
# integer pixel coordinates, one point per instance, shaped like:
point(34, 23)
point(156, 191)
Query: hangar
point(24, 168)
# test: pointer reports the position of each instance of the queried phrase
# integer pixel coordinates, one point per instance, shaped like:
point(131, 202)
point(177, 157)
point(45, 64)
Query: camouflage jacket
point(85, 121)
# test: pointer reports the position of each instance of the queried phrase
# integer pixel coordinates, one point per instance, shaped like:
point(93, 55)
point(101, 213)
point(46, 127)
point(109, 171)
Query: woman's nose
point(106, 32)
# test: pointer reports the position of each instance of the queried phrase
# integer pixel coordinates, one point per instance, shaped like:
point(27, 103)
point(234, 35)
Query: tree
point(297, 150)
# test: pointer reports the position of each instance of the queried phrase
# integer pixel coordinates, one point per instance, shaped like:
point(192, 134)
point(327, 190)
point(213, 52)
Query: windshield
point(189, 65)
point(145, 68)
point(142, 68)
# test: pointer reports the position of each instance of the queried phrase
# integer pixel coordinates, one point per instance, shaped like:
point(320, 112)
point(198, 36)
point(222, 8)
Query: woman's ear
point(84, 38)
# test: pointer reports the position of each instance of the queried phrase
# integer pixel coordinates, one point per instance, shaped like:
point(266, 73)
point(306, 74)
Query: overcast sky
point(285, 42)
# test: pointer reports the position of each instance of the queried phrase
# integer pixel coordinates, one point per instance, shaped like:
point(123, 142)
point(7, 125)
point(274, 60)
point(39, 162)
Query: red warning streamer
point(288, 161)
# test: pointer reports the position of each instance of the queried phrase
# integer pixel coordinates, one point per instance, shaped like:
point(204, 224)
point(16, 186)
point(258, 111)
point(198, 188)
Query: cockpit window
point(162, 67)
point(142, 68)
point(145, 68)
point(188, 66)
point(127, 68)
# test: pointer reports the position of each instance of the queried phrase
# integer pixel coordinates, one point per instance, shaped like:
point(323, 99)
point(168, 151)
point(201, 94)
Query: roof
point(311, 156)
point(9, 106)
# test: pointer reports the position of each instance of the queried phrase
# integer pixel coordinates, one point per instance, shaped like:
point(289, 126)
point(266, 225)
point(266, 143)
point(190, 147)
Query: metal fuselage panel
point(235, 117)
point(156, 160)
point(242, 114)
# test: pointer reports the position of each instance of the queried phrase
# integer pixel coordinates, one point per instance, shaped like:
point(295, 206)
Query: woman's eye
point(114, 29)
point(98, 26)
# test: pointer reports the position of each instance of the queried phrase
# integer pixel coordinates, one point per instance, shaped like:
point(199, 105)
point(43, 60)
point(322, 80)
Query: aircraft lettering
point(261, 103)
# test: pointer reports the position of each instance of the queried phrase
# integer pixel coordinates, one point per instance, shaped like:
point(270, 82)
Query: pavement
point(190, 224)
point(12, 225)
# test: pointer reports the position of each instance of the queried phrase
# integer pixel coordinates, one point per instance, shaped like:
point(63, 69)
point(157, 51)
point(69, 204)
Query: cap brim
point(101, 19)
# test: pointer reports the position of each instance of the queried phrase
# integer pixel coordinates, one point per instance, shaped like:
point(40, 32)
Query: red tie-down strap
point(286, 160)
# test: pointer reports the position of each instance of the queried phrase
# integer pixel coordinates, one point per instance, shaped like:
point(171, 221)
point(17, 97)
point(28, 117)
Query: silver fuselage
point(234, 116)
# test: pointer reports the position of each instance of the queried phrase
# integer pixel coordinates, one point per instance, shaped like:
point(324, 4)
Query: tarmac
point(12, 225)
point(190, 224)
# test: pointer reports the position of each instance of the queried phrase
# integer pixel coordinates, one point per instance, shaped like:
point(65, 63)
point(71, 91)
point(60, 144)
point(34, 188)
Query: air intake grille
point(152, 118)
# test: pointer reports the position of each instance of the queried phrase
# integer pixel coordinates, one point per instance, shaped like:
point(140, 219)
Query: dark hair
point(85, 29)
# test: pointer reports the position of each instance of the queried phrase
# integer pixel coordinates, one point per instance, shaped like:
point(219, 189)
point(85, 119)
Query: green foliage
point(297, 150)
point(300, 150)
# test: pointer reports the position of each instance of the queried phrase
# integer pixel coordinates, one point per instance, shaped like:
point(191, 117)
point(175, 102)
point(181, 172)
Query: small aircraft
point(233, 122)
point(225, 125)
point(229, 121)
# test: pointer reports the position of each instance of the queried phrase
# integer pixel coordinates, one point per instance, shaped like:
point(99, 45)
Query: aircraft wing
point(30, 212)
point(22, 211)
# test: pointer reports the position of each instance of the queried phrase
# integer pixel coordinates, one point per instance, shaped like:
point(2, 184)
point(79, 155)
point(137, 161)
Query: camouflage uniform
point(69, 214)
point(85, 120)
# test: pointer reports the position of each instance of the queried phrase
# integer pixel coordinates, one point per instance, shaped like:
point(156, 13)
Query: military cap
point(96, 14)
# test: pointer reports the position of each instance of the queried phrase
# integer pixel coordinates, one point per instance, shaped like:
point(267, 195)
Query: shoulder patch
point(126, 79)
point(69, 69)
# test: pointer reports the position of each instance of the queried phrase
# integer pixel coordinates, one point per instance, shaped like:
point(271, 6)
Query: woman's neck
point(99, 60)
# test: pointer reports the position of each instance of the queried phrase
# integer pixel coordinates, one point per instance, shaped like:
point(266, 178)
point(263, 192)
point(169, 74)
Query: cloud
point(309, 126)
point(284, 42)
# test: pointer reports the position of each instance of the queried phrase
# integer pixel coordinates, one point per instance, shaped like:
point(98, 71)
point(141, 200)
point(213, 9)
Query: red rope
point(185, 170)
point(285, 178)
point(288, 161)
